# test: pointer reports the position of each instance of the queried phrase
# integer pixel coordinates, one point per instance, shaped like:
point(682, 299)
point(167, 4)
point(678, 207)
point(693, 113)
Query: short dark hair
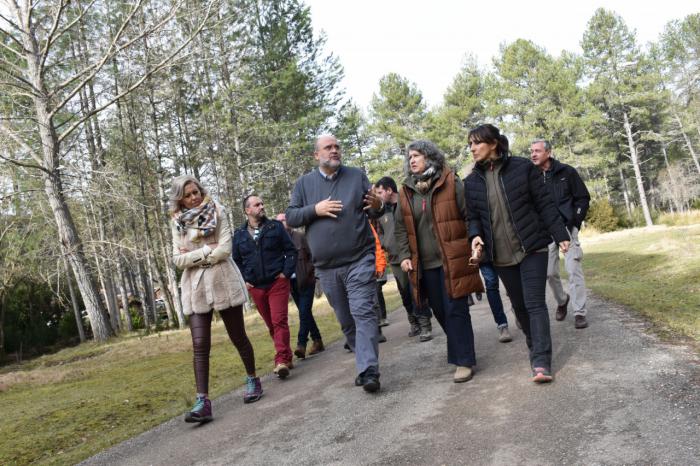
point(245, 200)
point(387, 182)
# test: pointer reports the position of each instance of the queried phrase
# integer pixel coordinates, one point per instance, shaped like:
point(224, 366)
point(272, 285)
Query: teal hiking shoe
point(201, 411)
point(253, 390)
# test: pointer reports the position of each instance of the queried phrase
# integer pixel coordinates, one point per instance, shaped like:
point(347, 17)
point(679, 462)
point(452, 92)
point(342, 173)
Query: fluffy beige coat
point(209, 281)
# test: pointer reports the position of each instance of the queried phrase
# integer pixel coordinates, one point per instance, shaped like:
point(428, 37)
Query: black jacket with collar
point(568, 192)
point(530, 207)
point(261, 261)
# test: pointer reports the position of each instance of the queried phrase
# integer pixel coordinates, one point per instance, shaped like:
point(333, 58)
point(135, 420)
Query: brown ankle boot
point(300, 352)
point(316, 347)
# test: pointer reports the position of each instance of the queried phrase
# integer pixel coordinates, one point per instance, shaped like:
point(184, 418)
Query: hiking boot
point(470, 300)
point(370, 380)
point(580, 321)
point(381, 339)
point(479, 296)
point(201, 411)
point(415, 327)
point(504, 335)
point(463, 374)
point(281, 370)
point(561, 310)
point(253, 389)
point(300, 352)
point(316, 347)
point(426, 328)
point(541, 375)
point(383, 322)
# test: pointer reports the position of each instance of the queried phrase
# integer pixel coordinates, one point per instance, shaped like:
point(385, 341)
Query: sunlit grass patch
point(75, 403)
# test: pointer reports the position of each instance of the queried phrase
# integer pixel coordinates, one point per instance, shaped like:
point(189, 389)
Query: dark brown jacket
point(450, 231)
point(305, 267)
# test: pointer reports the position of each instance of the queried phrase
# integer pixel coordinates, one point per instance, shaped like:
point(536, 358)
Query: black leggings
point(200, 327)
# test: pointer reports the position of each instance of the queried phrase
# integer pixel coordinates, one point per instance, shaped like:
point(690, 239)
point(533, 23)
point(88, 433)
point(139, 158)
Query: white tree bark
point(634, 158)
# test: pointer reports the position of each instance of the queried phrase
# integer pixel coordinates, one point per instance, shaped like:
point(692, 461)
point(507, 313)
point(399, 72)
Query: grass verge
point(75, 403)
point(655, 271)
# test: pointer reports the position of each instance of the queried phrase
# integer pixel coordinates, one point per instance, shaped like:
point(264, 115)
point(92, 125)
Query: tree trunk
point(51, 177)
point(672, 180)
point(634, 157)
point(125, 295)
point(74, 302)
point(625, 192)
point(688, 144)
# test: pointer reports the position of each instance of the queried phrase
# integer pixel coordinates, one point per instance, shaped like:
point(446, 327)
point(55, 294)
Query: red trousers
point(272, 304)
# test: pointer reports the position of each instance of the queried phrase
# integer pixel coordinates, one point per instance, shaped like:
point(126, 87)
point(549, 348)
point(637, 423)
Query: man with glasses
point(333, 203)
point(571, 197)
point(266, 256)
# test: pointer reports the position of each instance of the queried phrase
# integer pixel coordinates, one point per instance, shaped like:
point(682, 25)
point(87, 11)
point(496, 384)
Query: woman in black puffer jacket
point(512, 219)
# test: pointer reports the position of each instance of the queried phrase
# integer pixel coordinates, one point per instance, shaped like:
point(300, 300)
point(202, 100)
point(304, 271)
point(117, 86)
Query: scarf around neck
point(201, 218)
point(424, 181)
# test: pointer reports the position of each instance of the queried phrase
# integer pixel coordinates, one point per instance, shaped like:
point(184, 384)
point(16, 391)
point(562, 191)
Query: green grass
point(654, 271)
point(70, 405)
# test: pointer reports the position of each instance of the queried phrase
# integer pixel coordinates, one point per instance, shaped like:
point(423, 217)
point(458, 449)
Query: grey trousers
point(577, 284)
point(352, 291)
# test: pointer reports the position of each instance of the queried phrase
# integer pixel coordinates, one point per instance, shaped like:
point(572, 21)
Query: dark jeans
point(304, 299)
point(453, 316)
point(525, 284)
point(492, 293)
point(404, 287)
point(380, 299)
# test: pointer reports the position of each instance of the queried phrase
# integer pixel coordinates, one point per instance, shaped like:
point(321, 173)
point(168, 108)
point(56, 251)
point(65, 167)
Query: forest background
point(102, 103)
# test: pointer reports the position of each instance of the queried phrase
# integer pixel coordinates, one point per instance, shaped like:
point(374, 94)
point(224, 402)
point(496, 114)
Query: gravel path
point(619, 397)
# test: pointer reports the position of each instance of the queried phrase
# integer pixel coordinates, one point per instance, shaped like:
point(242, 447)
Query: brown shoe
point(561, 310)
point(580, 322)
point(281, 370)
point(316, 347)
point(300, 352)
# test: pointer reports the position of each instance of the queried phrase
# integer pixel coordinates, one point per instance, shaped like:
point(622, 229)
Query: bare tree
point(42, 81)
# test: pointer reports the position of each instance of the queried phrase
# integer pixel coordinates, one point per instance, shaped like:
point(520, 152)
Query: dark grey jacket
point(334, 241)
point(387, 226)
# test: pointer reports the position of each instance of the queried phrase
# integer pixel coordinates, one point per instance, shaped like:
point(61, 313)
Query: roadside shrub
point(602, 217)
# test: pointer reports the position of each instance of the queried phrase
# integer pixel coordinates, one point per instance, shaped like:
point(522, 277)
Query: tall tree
point(623, 87)
point(42, 130)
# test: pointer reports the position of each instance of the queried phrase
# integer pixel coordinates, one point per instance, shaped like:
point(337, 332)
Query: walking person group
point(508, 219)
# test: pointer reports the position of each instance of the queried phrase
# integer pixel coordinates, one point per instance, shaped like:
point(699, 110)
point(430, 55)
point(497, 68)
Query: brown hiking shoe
point(300, 352)
point(316, 347)
point(561, 310)
point(281, 370)
point(580, 322)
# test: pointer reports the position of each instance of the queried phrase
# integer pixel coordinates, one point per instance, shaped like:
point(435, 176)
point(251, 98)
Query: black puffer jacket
point(532, 212)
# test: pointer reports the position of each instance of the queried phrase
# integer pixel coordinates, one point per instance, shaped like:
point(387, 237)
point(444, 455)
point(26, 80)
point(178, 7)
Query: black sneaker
point(370, 380)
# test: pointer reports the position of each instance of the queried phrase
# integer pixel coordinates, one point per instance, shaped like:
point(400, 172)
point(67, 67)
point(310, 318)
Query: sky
point(427, 41)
